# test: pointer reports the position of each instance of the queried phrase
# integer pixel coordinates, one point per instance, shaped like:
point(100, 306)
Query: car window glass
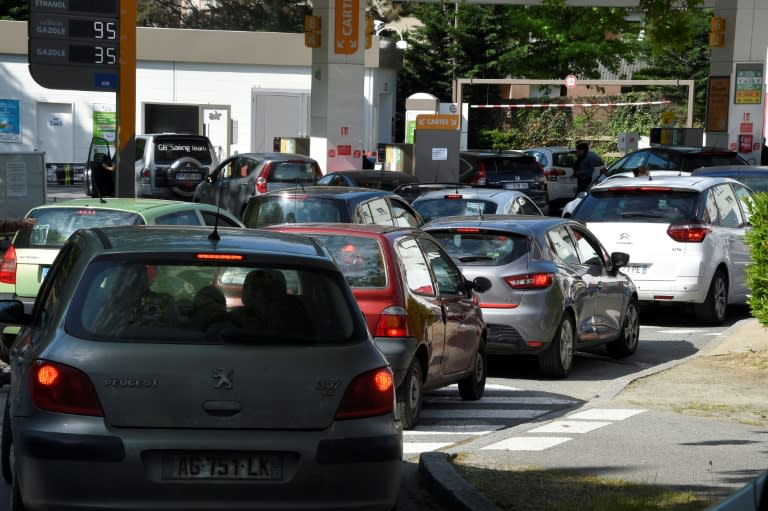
point(141, 144)
point(291, 172)
point(728, 206)
point(128, 299)
point(564, 159)
point(168, 150)
point(380, 213)
point(269, 210)
point(628, 205)
point(360, 259)
point(562, 245)
point(589, 249)
point(630, 162)
point(55, 285)
point(55, 225)
point(417, 276)
point(525, 206)
point(403, 217)
point(209, 218)
point(482, 248)
point(186, 217)
point(710, 209)
point(453, 205)
point(660, 161)
point(450, 281)
point(745, 198)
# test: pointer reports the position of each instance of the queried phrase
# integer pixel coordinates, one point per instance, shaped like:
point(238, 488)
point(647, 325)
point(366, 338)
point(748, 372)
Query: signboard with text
point(75, 44)
point(749, 84)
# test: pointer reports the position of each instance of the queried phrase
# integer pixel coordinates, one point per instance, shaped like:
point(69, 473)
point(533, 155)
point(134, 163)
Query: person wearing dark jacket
point(15, 224)
point(586, 162)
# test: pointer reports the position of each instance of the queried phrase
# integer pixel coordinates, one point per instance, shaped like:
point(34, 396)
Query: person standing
point(583, 169)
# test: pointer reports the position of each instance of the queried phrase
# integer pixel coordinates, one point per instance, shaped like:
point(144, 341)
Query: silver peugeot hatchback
point(197, 368)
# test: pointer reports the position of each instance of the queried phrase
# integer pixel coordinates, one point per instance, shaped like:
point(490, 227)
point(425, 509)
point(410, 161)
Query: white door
point(216, 126)
point(55, 132)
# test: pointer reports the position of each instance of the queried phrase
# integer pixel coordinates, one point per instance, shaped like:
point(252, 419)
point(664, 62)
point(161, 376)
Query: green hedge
point(757, 271)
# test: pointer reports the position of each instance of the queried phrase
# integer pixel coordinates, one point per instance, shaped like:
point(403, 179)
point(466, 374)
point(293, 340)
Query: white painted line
point(455, 388)
point(605, 414)
point(415, 447)
point(450, 430)
point(482, 414)
point(569, 427)
point(676, 332)
point(502, 400)
point(526, 444)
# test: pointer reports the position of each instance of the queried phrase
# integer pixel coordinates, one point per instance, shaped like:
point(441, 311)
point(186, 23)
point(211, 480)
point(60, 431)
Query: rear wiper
point(469, 259)
point(633, 214)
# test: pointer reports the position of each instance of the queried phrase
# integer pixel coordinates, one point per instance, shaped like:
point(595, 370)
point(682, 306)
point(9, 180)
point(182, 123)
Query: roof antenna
point(214, 236)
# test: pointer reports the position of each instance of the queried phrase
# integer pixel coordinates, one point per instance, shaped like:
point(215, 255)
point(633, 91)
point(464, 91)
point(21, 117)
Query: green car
point(32, 250)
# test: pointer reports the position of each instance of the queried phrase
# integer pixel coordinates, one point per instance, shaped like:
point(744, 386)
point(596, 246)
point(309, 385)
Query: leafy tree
point(688, 60)
point(14, 10)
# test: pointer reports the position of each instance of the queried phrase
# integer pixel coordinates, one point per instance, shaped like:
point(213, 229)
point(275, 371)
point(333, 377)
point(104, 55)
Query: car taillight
point(556, 171)
point(689, 233)
point(393, 322)
point(60, 388)
point(8, 266)
point(145, 174)
point(369, 394)
point(481, 175)
point(530, 281)
point(261, 185)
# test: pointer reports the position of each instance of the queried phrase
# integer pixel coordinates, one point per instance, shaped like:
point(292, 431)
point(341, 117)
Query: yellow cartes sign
point(437, 122)
point(347, 26)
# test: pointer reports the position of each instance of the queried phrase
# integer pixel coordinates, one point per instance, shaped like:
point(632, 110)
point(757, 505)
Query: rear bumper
point(399, 352)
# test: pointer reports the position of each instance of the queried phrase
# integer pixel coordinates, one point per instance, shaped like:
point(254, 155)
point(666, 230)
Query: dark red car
point(421, 311)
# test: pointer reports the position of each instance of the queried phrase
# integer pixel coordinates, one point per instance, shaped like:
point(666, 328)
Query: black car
point(684, 159)
point(511, 170)
point(378, 179)
point(330, 204)
point(245, 175)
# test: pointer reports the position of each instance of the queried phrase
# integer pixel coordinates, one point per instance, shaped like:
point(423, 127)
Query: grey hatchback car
point(554, 288)
point(196, 368)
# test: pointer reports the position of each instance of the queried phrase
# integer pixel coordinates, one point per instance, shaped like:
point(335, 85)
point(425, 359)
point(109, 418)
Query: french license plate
point(515, 186)
point(637, 269)
point(223, 466)
point(188, 176)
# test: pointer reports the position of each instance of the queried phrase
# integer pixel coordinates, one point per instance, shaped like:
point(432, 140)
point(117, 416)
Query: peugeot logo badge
point(223, 378)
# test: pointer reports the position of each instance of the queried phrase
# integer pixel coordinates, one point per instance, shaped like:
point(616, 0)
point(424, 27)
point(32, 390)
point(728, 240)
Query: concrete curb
point(448, 486)
point(438, 474)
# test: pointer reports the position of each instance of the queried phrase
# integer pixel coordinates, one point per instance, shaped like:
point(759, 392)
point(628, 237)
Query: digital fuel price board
point(75, 44)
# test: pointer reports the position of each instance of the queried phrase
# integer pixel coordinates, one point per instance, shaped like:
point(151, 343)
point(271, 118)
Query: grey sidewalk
point(610, 439)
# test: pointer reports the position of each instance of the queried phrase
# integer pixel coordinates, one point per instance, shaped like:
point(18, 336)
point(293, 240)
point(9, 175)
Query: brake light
point(453, 196)
point(261, 185)
point(688, 233)
point(481, 174)
point(219, 257)
point(60, 388)
point(369, 394)
point(467, 229)
point(530, 281)
point(145, 174)
point(556, 171)
point(393, 322)
point(8, 266)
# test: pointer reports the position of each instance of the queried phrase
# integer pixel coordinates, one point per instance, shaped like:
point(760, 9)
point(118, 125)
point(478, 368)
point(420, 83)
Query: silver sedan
point(554, 289)
point(474, 201)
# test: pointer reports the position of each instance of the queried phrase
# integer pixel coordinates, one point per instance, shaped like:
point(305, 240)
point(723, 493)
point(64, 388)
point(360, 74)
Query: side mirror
point(480, 284)
point(619, 260)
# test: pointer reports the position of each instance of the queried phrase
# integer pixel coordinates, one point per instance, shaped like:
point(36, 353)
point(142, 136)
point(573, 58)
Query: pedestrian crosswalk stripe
point(458, 429)
point(481, 414)
point(569, 427)
point(531, 443)
point(502, 400)
point(416, 447)
point(451, 389)
point(606, 414)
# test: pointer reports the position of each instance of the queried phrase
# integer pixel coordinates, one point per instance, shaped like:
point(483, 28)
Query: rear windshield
point(756, 183)
point(482, 248)
point(564, 159)
point(282, 209)
point(168, 150)
point(292, 172)
point(662, 206)
point(55, 225)
point(359, 259)
point(523, 166)
point(435, 208)
point(130, 300)
point(694, 161)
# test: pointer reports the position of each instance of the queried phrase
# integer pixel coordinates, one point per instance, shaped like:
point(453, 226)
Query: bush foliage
point(521, 128)
point(757, 271)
